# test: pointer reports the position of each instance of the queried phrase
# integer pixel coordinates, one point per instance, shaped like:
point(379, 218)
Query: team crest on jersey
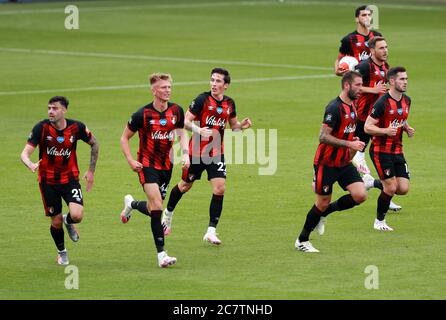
point(51, 210)
point(400, 111)
point(163, 122)
point(387, 172)
point(174, 119)
point(326, 188)
point(60, 139)
point(191, 177)
point(219, 110)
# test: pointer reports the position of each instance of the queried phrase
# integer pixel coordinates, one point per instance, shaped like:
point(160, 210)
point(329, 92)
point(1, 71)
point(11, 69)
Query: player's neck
point(60, 125)
point(217, 97)
point(376, 61)
point(362, 30)
point(395, 94)
point(160, 105)
point(344, 97)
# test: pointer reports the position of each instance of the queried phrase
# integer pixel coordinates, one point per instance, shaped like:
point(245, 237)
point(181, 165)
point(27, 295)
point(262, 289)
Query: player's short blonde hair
point(155, 77)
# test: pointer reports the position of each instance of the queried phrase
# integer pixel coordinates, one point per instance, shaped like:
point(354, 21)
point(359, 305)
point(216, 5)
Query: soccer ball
point(348, 62)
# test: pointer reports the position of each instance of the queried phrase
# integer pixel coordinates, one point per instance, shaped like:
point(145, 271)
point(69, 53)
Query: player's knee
point(390, 189)
point(322, 205)
point(184, 186)
point(57, 222)
point(77, 215)
point(402, 190)
point(219, 190)
point(359, 197)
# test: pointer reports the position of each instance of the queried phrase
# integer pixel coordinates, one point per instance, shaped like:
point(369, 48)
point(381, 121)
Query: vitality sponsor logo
point(53, 151)
point(363, 56)
point(397, 123)
point(350, 128)
point(213, 121)
point(160, 135)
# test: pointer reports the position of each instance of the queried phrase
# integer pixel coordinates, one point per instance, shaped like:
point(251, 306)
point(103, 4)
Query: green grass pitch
point(264, 44)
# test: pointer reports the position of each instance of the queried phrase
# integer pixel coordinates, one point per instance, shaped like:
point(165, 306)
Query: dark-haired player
point(157, 123)
point(207, 117)
point(356, 43)
point(386, 123)
point(58, 170)
point(332, 162)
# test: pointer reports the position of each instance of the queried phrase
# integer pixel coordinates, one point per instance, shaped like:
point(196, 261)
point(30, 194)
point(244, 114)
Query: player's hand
point(356, 145)
point(185, 162)
point(89, 177)
point(246, 123)
point(391, 131)
point(410, 131)
point(205, 132)
point(34, 166)
point(135, 165)
point(340, 71)
point(352, 152)
point(380, 88)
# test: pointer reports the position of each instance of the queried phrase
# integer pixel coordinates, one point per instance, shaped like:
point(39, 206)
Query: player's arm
point(189, 124)
point(26, 155)
point(125, 147)
point(237, 125)
point(327, 138)
point(94, 155)
point(371, 128)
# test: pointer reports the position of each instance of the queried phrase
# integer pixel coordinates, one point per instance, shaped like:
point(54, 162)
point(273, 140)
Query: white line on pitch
point(175, 84)
point(155, 58)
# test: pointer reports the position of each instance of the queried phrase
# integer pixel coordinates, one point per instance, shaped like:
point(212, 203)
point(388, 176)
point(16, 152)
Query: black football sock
point(174, 198)
point(215, 210)
point(58, 237)
point(343, 203)
point(141, 206)
point(378, 184)
point(383, 205)
point(313, 217)
point(157, 230)
point(69, 220)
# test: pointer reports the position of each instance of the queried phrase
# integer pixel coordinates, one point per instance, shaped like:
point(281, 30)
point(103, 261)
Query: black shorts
point(215, 169)
point(360, 133)
point(152, 175)
point(324, 177)
point(389, 165)
point(52, 195)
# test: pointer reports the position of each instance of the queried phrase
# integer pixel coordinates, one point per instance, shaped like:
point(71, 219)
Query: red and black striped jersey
point(357, 45)
point(156, 134)
point(213, 114)
point(372, 75)
point(57, 150)
point(341, 117)
point(393, 113)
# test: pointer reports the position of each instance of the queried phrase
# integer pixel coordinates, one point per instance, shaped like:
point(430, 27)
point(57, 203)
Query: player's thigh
point(153, 194)
point(51, 198)
point(323, 179)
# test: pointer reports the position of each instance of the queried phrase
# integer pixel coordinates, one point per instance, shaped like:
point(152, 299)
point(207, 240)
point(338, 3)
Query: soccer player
point(206, 118)
point(355, 44)
point(386, 123)
point(373, 71)
point(332, 161)
point(58, 170)
point(157, 123)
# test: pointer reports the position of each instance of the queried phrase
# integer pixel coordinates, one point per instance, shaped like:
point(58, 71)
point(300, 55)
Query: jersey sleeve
point(233, 113)
point(35, 135)
point(180, 122)
point(136, 121)
point(197, 105)
point(84, 133)
point(378, 108)
point(345, 47)
point(331, 116)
